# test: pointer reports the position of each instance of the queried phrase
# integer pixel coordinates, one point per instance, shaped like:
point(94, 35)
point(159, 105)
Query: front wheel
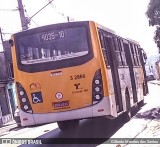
point(68, 124)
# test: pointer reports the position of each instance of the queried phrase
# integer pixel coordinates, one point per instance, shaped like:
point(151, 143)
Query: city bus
point(71, 71)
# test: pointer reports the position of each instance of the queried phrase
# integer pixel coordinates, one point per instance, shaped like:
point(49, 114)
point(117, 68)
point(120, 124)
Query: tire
point(141, 103)
point(68, 124)
point(144, 90)
point(19, 125)
point(128, 106)
point(18, 121)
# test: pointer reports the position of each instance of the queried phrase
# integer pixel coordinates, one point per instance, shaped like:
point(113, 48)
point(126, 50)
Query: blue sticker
point(36, 97)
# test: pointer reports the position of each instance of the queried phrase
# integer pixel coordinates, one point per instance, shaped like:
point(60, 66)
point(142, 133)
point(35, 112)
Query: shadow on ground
point(90, 133)
point(149, 114)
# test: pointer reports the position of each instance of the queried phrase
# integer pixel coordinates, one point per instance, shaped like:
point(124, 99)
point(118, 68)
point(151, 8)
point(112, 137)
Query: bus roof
point(133, 41)
point(105, 28)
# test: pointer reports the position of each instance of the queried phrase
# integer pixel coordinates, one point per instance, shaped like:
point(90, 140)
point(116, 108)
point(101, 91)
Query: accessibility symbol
point(36, 97)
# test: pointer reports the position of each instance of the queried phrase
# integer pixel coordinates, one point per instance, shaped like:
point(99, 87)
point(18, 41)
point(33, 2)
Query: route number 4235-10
point(76, 77)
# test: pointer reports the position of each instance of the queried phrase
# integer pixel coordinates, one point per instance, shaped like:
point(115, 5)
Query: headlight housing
point(23, 99)
point(97, 87)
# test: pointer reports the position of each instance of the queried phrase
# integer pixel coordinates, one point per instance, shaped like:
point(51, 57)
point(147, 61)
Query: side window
point(138, 56)
point(123, 55)
point(101, 37)
point(104, 48)
point(117, 51)
point(135, 55)
point(10, 69)
point(132, 55)
point(142, 56)
point(116, 44)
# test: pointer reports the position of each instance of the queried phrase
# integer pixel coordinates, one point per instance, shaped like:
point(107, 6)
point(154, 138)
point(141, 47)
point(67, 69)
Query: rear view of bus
point(58, 75)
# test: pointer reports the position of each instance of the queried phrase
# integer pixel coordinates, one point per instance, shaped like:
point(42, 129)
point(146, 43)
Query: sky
point(126, 17)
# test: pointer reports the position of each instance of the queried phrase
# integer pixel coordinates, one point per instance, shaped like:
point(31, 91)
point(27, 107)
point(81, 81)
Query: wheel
point(18, 121)
point(144, 90)
point(68, 124)
point(19, 125)
point(128, 106)
point(141, 103)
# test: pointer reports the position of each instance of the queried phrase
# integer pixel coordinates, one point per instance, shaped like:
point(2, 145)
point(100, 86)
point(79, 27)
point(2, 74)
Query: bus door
point(130, 64)
point(114, 70)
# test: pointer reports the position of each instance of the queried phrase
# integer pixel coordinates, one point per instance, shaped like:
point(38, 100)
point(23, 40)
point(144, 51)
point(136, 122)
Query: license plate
point(60, 104)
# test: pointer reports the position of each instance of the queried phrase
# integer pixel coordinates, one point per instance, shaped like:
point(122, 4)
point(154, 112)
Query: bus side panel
point(15, 67)
point(112, 95)
point(107, 104)
point(99, 55)
point(125, 84)
point(103, 107)
point(139, 78)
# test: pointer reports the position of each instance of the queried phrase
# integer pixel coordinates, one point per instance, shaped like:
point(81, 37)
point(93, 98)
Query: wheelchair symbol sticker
point(36, 97)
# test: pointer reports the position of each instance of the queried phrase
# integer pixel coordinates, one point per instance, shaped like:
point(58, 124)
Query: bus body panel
point(50, 85)
point(112, 95)
point(99, 56)
point(125, 83)
point(101, 109)
point(139, 80)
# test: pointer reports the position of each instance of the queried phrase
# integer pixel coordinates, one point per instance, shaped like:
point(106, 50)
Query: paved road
point(89, 128)
point(145, 124)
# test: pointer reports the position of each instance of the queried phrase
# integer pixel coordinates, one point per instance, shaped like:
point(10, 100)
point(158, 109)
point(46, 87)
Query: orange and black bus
point(69, 71)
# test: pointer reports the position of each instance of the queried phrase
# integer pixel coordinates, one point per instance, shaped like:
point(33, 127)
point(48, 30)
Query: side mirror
point(145, 56)
point(11, 42)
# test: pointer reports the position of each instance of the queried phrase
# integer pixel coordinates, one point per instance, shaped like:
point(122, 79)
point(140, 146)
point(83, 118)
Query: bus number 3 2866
point(76, 77)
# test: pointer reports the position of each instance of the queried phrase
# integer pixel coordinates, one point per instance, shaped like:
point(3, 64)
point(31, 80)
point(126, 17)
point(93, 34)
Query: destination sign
point(52, 35)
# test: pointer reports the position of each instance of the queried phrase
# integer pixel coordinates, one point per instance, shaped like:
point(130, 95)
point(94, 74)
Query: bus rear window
point(53, 46)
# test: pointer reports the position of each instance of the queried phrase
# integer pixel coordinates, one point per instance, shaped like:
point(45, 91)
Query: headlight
point(97, 87)
point(23, 99)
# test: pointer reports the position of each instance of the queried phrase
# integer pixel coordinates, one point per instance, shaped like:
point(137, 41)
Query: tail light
point(97, 87)
point(23, 99)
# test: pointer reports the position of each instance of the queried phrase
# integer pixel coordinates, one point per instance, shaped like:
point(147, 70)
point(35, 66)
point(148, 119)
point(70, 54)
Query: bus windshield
point(51, 46)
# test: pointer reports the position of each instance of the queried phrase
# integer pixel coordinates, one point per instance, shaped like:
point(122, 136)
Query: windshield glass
point(52, 46)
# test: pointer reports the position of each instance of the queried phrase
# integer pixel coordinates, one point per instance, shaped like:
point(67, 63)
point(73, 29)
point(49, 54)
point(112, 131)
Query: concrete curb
point(154, 82)
point(7, 127)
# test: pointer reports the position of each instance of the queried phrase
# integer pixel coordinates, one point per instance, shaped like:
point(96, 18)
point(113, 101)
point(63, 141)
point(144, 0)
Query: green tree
point(153, 14)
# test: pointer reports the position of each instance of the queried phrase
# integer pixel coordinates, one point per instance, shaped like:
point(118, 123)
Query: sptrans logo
point(59, 95)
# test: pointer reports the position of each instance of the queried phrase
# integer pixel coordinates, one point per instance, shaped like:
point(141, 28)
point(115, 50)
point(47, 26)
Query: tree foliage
point(157, 37)
point(153, 14)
